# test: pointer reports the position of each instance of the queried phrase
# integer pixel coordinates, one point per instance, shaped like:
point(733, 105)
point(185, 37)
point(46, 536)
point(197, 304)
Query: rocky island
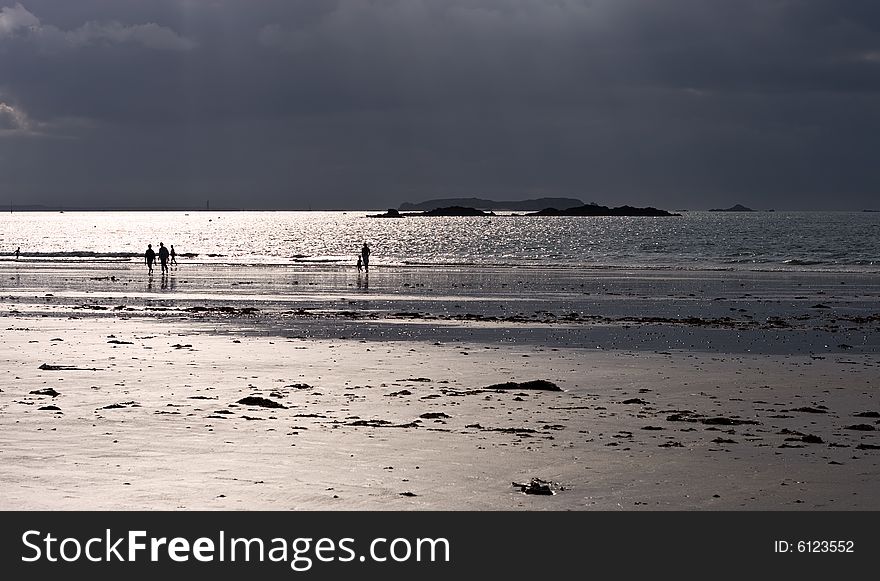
point(447, 211)
point(585, 210)
point(736, 208)
point(508, 205)
point(597, 210)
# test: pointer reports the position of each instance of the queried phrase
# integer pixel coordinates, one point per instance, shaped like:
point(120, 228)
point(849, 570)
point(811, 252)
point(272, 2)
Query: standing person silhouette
point(173, 256)
point(163, 257)
point(150, 257)
point(365, 256)
point(17, 252)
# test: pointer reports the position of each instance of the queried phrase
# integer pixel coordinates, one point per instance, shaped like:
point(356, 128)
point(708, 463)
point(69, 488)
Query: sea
point(695, 240)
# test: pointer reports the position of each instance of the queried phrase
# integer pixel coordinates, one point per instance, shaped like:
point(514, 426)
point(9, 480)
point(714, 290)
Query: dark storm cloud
point(279, 103)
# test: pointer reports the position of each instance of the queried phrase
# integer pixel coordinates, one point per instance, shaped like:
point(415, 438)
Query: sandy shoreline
point(666, 404)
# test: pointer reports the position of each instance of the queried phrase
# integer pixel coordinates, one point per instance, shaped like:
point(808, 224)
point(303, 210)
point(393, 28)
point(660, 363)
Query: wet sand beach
point(308, 388)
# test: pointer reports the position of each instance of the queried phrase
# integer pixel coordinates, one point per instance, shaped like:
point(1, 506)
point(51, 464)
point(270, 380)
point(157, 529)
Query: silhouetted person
point(163, 257)
point(18, 251)
point(150, 257)
point(173, 256)
point(360, 263)
point(365, 256)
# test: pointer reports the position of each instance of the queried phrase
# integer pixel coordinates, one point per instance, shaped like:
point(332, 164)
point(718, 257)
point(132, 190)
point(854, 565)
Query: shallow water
point(788, 241)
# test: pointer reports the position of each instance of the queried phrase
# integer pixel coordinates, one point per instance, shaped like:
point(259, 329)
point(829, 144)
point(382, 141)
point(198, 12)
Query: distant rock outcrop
point(447, 211)
point(736, 208)
point(518, 206)
point(597, 210)
point(456, 211)
point(585, 210)
point(390, 213)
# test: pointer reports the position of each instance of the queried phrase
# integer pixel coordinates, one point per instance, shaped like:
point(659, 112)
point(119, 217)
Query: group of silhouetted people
point(166, 257)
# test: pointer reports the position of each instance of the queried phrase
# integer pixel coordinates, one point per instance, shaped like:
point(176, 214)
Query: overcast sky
point(365, 104)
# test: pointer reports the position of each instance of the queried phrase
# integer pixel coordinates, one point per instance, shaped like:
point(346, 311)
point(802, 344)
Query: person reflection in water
point(363, 283)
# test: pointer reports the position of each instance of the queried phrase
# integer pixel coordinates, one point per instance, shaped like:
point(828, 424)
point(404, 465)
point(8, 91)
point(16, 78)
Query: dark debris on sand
point(689, 416)
point(383, 424)
point(48, 367)
point(502, 430)
point(539, 486)
point(260, 402)
point(538, 384)
point(119, 406)
point(434, 416)
point(726, 421)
